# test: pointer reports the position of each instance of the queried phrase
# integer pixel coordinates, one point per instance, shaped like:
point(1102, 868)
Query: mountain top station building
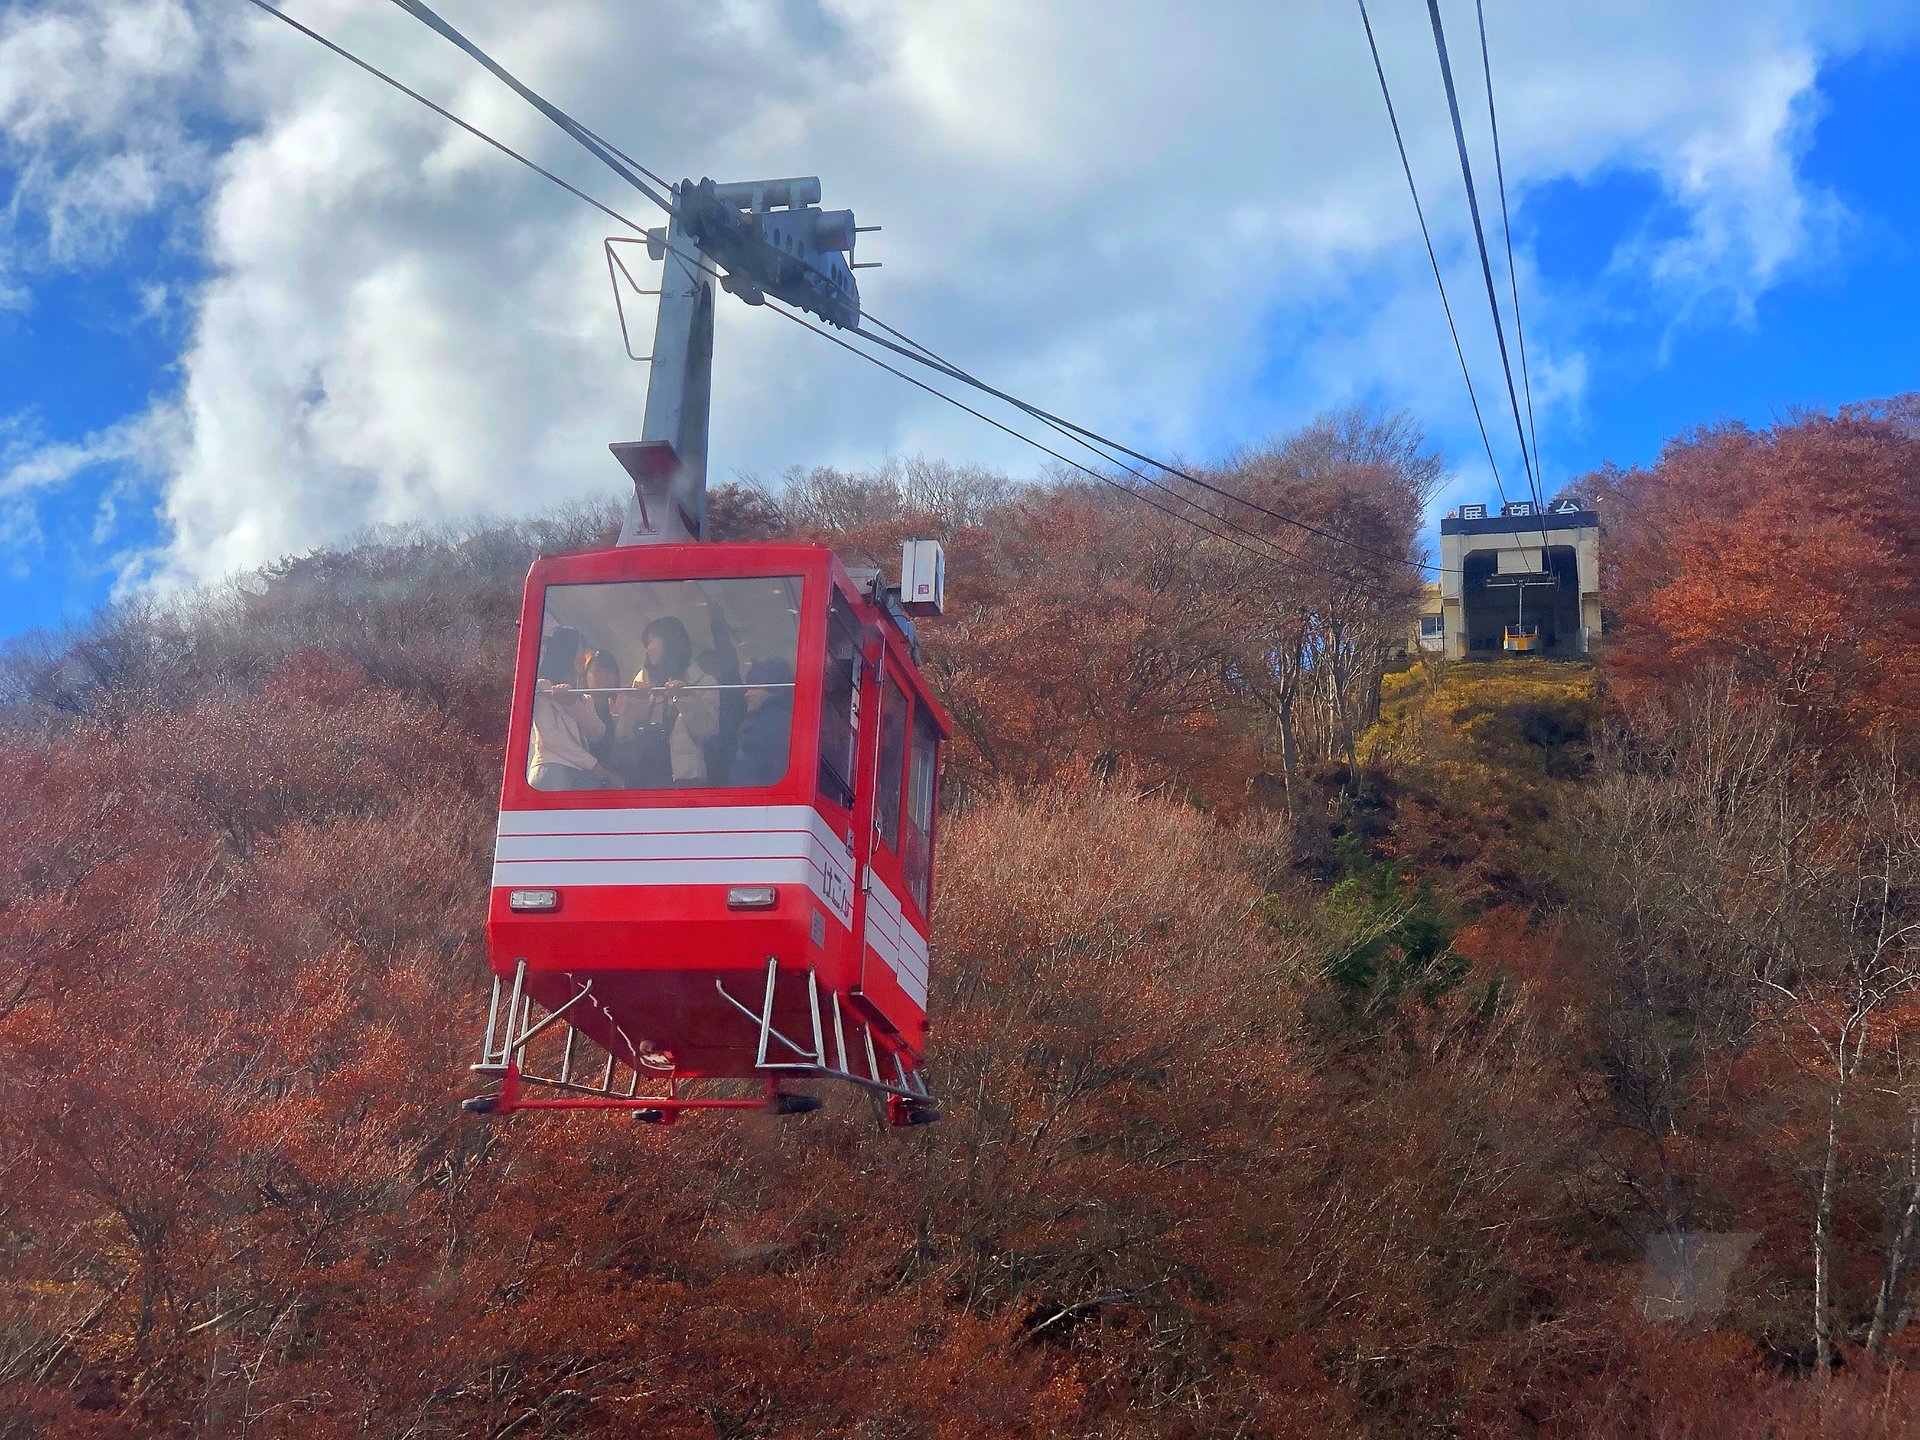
point(1525, 567)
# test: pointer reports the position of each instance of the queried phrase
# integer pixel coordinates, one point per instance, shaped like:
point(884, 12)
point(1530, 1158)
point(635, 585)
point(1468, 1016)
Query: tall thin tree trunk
point(1289, 744)
point(1901, 1245)
point(1823, 1238)
point(1342, 710)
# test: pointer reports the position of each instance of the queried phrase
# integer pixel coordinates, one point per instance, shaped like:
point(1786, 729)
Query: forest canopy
point(1331, 1041)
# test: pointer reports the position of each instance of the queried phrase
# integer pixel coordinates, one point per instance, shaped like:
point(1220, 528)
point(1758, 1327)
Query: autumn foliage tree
point(1790, 554)
point(1301, 1121)
point(1741, 867)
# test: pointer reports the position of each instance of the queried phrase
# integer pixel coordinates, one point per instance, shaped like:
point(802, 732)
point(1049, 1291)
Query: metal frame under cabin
point(845, 1032)
point(510, 1032)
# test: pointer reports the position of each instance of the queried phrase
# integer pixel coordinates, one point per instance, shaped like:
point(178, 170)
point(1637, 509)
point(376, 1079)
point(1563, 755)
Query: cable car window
point(665, 684)
point(922, 786)
point(893, 763)
point(839, 704)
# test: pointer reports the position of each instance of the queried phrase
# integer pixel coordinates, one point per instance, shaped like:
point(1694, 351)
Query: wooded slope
point(1325, 1043)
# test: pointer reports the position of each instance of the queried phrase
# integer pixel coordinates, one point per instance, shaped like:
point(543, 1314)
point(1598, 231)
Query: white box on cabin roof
point(923, 577)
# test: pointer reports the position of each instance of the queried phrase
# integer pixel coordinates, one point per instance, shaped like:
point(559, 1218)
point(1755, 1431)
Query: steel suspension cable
point(619, 163)
point(423, 13)
point(913, 350)
point(1506, 230)
point(1486, 270)
point(444, 113)
point(1480, 235)
point(927, 355)
point(1282, 557)
point(1420, 214)
point(1087, 440)
point(1270, 550)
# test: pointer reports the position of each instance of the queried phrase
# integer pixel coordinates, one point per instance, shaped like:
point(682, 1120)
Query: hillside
point(1329, 1045)
point(1476, 754)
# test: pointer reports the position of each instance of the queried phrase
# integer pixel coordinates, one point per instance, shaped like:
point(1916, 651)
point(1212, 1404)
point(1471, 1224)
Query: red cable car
point(715, 849)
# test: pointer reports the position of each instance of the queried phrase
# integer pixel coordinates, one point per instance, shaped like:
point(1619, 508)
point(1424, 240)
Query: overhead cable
point(1506, 228)
point(1480, 237)
point(630, 173)
point(1086, 439)
point(915, 351)
point(1420, 214)
point(444, 113)
point(624, 165)
point(1281, 557)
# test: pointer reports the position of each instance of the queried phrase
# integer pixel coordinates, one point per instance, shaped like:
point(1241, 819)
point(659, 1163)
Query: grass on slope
point(1467, 756)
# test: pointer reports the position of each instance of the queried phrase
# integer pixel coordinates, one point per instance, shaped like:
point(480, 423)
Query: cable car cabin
point(715, 850)
point(1520, 639)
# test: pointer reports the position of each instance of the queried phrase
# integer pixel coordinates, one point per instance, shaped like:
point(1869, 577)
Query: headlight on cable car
point(753, 897)
point(533, 899)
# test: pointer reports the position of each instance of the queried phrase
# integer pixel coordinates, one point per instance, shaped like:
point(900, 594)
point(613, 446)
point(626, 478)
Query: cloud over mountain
point(1185, 233)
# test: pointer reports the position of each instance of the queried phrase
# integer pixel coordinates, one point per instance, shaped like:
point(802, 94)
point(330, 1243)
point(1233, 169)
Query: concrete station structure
point(1524, 564)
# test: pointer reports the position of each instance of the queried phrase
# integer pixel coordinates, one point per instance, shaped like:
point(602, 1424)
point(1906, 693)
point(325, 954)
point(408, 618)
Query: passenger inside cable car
point(687, 714)
point(601, 676)
point(761, 758)
point(565, 723)
point(663, 725)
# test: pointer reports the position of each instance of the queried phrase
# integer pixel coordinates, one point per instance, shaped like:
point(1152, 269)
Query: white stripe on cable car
point(891, 938)
point(642, 833)
point(912, 984)
point(832, 888)
point(910, 937)
point(903, 940)
point(668, 820)
point(704, 845)
point(716, 845)
point(903, 950)
point(565, 873)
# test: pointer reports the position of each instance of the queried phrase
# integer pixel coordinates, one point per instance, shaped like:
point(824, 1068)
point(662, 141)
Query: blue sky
point(1841, 331)
point(232, 324)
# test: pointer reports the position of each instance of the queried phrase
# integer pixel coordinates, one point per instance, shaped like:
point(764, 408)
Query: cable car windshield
point(665, 684)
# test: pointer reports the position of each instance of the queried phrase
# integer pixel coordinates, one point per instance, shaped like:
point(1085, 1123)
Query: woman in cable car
point(661, 727)
point(736, 881)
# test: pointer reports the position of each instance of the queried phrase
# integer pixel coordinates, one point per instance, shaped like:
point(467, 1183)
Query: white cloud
point(1752, 218)
point(133, 452)
point(97, 100)
point(31, 462)
point(13, 295)
point(1182, 230)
